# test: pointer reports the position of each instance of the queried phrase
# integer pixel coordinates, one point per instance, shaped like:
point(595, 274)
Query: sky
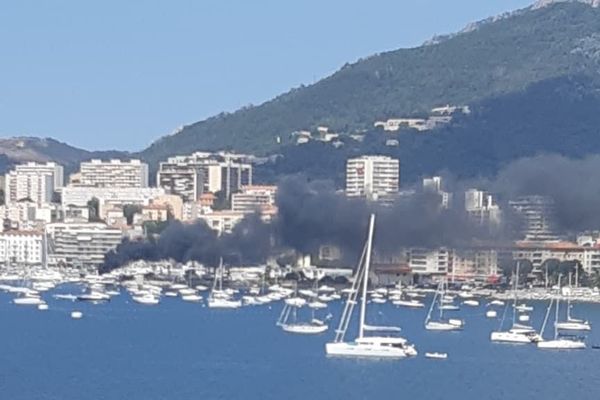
point(117, 74)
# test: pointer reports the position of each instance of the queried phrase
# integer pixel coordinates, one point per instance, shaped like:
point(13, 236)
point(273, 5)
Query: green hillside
point(497, 58)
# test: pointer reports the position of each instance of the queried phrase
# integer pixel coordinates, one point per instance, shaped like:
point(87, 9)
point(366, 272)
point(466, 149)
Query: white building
point(222, 221)
point(21, 247)
point(254, 198)
point(113, 174)
point(26, 215)
point(429, 262)
point(192, 175)
point(372, 177)
point(109, 197)
point(81, 245)
point(481, 208)
point(34, 181)
point(434, 185)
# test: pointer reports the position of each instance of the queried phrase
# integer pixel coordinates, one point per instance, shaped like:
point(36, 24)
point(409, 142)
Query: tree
point(94, 209)
point(129, 211)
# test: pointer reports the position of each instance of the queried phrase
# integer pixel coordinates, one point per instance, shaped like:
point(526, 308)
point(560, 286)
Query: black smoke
point(248, 243)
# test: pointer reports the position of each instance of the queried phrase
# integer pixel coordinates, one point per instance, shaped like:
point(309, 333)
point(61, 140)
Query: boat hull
point(304, 329)
point(561, 344)
point(509, 337)
point(352, 349)
point(573, 326)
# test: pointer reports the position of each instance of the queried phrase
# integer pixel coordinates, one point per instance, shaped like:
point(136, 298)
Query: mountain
point(558, 115)
point(495, 58)
point(22, 149)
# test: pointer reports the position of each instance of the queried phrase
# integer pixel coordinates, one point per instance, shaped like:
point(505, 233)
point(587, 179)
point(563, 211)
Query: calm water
point(122, 350)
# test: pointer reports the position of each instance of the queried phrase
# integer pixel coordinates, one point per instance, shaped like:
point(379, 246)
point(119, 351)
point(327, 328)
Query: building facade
point(21, 248)
point(113, 174)
point(373, 177)
point(81, 245)
point(34, 181)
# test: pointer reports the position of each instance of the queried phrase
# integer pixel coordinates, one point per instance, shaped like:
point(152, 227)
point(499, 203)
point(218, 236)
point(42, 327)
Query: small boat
point(170, 293)
point(596, 346)
point(93, 296)
point(524, 318)
point(191, 298)
point(472, 303)
point(28, 301)
point(378, 300)
point(76, 314)
point(408, 303)
point(437, 356)
point(441, 324)
point(496, 303)
point(42, 307)
point(71, 297)
point(491, 314)
point(523, 308)
point(317, 305)
point(146, 298)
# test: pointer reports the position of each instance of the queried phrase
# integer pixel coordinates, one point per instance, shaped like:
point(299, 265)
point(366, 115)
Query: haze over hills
point(530, 77)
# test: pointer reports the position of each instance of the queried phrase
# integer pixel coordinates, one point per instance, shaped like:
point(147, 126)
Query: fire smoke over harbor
point(313, 213)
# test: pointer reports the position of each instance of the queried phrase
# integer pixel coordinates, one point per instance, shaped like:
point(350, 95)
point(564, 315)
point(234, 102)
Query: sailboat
point(363, 345)
point(442, 324)
point(559, 342)
point(288, 319)
point(572, 324)
point(518, 333)
point(220, 298)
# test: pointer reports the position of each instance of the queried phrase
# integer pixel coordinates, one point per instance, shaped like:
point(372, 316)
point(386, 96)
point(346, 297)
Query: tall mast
point(557, 307)
point(515, 293)
point(363, 304)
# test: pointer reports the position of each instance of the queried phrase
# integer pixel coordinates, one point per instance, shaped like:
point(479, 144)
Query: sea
point(178, 350)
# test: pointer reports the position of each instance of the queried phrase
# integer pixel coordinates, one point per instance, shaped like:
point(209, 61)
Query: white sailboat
point(572, 324)
point(288, 319)
point(218, 297)
point(363, 345)
point(559, 342)
point(451, 324)
point(518, 333)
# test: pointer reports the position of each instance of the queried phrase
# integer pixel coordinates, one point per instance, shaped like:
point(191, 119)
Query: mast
point(515, 294)
point(557, 307)
point(363, 304)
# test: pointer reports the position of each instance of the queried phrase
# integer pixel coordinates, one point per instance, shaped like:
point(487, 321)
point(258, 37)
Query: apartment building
point(373, 177)
point(112, 174)
point(33, 181)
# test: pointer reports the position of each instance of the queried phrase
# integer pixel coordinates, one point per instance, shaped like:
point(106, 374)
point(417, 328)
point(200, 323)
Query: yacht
point(364, 345)
point(28, 301)
point(572, 324)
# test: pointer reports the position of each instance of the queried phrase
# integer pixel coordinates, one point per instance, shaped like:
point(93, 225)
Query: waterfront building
point(112, 174)
point(537, 215)
point(429, 261)
point(33, 181)
point(81, 245)
point(474, 264)
point(21, 248)
point(373, 177)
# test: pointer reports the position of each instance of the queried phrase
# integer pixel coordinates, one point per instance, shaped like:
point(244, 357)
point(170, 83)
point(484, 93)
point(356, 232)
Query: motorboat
point(93, 296)
point(408, 303)
point(472, 303)
point(436, 355)
point(28, 301)
point(194, 298)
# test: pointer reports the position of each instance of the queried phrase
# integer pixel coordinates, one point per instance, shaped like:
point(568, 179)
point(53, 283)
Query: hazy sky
point(121, 73)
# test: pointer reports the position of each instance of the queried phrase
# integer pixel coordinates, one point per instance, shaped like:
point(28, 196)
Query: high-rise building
point(481, 208)
point(537, 217)
point(434, 185)
point(34, 181)
point(113, 174)
point(193, 175)
point(373, 177)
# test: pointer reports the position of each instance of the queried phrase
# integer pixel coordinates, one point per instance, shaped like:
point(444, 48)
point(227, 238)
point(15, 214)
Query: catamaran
point(518, 333)
point(363, 345)
point(442, 302)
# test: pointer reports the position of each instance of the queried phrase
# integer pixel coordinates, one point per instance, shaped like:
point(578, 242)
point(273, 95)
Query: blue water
point(177, 350)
